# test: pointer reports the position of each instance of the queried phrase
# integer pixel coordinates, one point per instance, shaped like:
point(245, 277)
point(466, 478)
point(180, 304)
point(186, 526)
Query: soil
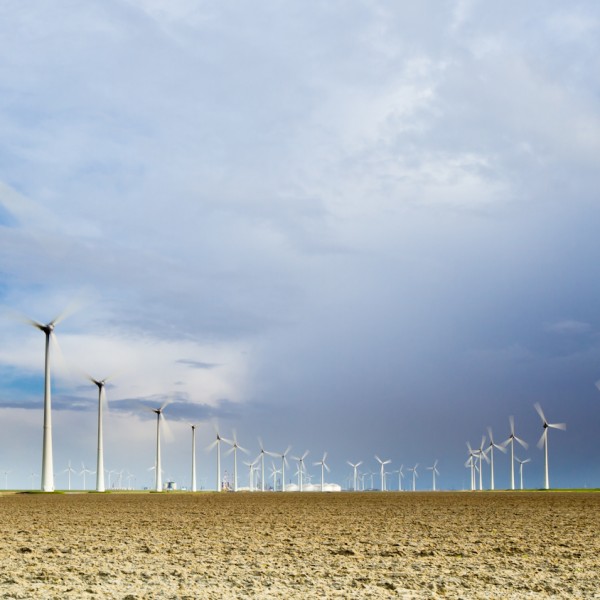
point(292, 545)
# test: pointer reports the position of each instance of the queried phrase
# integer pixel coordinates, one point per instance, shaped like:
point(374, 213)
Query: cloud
point(568, 327)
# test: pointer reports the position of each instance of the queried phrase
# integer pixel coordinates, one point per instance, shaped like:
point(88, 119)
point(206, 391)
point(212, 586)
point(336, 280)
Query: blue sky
point(358, 228)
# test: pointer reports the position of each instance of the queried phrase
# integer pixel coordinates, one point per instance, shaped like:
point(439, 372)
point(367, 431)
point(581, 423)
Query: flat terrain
point(311, 545)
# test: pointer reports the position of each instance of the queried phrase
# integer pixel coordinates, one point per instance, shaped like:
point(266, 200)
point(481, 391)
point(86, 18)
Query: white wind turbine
point(544, 440)
point(274, 472)
point(323, 467)
point(262, 454)
point(355, 474)
point(434, 472)
point(480, 452)
point(284, 461)
point(47, 459)
point(490, 449)
point(100, 383)
point(512, 438)
point(521, 463)
point(252, 468)
point(300, 460)
point(414, 477)
point(472, 463)
point(193, 486)
point(234, 448)
point(69, 470)
point(157, 465)
point(6, 474)
point(217, 443)
point(382, 464)
point(400, 477)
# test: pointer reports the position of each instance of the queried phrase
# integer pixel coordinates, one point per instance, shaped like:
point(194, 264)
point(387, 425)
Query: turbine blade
point(542, 439)
point(511, 421)
point(561, 426)
point(539, 411)
point(522, 442)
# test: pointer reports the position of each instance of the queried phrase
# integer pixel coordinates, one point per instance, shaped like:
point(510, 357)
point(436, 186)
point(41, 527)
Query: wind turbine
point(234, 448)
point(251, 466)
point(262, 463)
point(5, 473)
point(382, 464)
point(158, 470)
point(490, 449)
point(283, 456)
point(47, 460)
point(400, 477)
point(434, 472)
point(300, 460)
point(521, 463)
point(193, 457)
point(100, 383)
point(512, 438)
point(323, 467)
point(544, 440)
point(355, 469)
point(274, 471)
point(472, 463)
point(482, 455)
point(414, 477)
point(69, 470)
point(217, 443)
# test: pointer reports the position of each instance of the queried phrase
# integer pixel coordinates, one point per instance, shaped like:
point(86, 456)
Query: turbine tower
point(300, 460)
point(47, 460)
point(100, 383)
point(434, 472)
point(284, 461)
point(157, 466)
point(193, 457)
point(323, 467)
point(382, 464)
point(234, 448)
point(521, 463)
point(414, 477)
point(355, 469)
point(217, 443)
point(490, 449)
point(544, 440)
point(512, 438)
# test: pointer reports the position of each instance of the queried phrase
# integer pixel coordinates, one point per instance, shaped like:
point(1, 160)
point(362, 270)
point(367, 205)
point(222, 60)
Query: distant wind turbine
point(400, 477)
point(323, 467)
point(300, 460)
point(543, 442)
point(262, 454)
point(234, 448)
point(434, 472)
point(284, 461)
point(355, 474)
point(69, 470)
point(217, 444)
point(512, 438)
point(414, 477)
point(382, 464)
point(193, 457)
point(521, 463)
point(490, 449)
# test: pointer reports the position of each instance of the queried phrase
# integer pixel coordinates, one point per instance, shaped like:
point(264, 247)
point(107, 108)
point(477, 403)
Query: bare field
point(311, 545)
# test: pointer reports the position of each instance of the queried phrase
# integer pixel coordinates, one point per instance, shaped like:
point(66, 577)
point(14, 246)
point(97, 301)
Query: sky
point(357, 228)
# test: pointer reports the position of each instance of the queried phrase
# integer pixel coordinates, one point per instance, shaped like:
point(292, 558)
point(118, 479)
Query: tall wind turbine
point(512, 438)
point(382, 464)
point(544, 440)
point(300, 460)
point(234, 448)
point(217, 443)
point(157, 466)
point(355, 469)
point(434, 472)
point(252, 468)
point(400, 477)
point(69, 470)
point(414, 477)
point(193, 457)
point(284, 461)
point(490, 449)
point(482, 455)
point(100, 383)
point(521, 463)
point(47, 460)
point(323, 467)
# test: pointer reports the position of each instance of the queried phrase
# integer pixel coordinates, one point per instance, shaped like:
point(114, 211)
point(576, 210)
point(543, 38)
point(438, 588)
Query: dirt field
point(369, 545)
